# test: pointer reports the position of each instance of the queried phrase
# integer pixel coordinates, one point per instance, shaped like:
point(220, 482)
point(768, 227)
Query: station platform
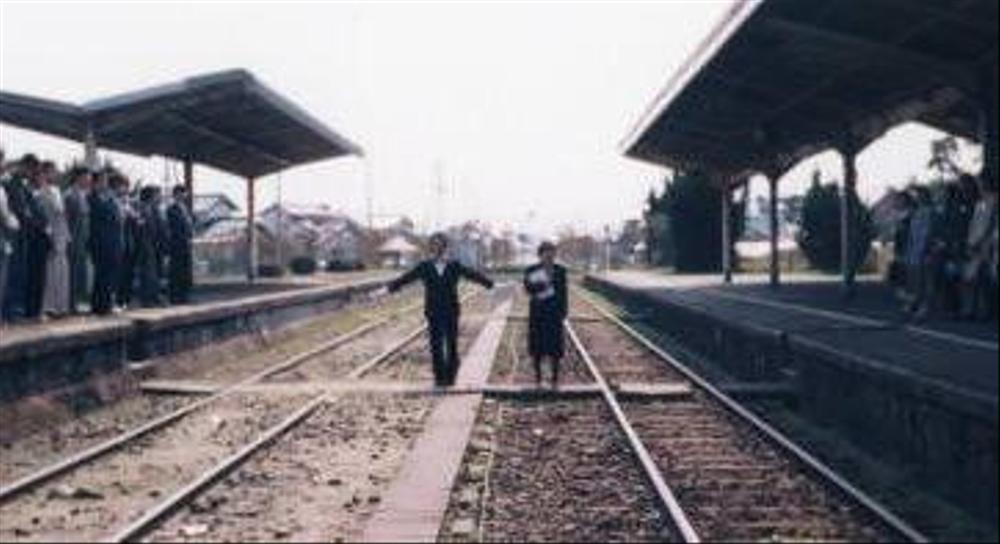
point(39, 358)
point(871, 325)
point(922, 396)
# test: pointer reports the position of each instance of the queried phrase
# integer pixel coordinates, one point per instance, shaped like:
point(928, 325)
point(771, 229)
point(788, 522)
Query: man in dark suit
point(151, 242)
point(107, 243)
point(26, 280)
point(181, 234)
point(440, 276)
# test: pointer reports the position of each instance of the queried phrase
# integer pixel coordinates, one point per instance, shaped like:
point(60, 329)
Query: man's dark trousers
point(444, 347)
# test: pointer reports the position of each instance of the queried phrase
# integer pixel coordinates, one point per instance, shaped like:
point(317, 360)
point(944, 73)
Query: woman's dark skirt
point(546, 337)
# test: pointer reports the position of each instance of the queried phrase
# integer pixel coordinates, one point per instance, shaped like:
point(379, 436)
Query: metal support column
point(772, 180)
point(189, 183)
point(727, 233)
point(991, 112)
point(848, 198)
point(90, 159)
point(251, 231)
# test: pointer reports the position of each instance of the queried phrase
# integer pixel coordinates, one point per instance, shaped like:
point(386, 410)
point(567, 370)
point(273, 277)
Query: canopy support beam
point(772, 181)
point(251, 231)
point(989, 126)
point(727, 233)
point(189, 183)
point(848, 199)
point(90, 149)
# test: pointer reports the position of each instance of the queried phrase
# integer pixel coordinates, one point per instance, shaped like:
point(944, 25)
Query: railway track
point(722, 473)
point(69, 499)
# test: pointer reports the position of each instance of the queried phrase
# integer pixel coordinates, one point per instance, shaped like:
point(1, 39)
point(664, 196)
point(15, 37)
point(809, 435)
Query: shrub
point(820, 234)
point(303, 266)
point(270, 271)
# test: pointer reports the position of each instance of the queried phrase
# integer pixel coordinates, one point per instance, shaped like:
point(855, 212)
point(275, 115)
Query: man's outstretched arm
point(406, 279)
point(475, 276)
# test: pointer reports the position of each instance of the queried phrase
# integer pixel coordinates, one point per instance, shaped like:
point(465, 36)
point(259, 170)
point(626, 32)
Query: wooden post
point(772, 180)
point(989, 129)
point(90, 149)
point(189, 183)
point(848, 197)
point(251, 231)
point(727, 233)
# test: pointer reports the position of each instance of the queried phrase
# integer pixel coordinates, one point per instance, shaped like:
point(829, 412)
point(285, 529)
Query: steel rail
point(58, 468)
point(150, 520)
point(774, 436)
point(171, 504)
point(665, 495)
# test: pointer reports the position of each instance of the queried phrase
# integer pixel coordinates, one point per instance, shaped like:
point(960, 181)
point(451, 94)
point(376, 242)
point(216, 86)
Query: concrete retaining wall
point(70, 363)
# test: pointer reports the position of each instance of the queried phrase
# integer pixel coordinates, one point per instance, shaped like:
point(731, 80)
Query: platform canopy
point(227, 120)
point(780, 80)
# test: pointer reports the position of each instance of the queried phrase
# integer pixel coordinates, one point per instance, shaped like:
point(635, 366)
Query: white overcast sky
point(522, 104)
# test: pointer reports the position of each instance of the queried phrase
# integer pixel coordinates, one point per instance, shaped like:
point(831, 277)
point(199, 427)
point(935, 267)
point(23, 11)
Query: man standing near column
point(181, 236)
point(440, 276)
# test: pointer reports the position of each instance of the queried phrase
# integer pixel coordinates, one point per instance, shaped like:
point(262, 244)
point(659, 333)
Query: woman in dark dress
point(545, 283)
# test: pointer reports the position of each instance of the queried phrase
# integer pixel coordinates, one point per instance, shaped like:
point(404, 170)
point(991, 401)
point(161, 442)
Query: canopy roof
point(228, 120)
point(780, 80)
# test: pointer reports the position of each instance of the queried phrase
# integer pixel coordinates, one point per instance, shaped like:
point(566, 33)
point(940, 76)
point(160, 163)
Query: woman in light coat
point(57, 282)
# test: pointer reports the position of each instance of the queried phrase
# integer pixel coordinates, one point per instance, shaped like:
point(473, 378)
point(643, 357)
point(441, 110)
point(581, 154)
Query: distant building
point(398, 252)
point(221, 249)
point(316, 231)
point(209, 209)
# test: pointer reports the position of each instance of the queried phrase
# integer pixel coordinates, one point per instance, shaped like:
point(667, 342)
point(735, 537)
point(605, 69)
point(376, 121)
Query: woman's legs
point(555, 362)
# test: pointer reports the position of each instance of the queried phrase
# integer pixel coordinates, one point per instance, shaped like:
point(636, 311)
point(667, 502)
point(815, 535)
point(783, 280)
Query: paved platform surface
point(871, 325)
point(206, 296)
point(418, 499)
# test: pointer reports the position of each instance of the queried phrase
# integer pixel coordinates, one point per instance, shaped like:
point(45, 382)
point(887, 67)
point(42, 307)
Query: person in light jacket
point(57, 277)
point(78, 217)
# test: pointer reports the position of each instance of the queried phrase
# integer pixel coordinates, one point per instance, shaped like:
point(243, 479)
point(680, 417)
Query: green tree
point(684, 224)
point(819, 238)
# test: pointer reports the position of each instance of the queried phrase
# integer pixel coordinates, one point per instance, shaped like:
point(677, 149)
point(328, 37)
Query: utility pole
point(369, 193)
point(607, 248)
point(440, 196)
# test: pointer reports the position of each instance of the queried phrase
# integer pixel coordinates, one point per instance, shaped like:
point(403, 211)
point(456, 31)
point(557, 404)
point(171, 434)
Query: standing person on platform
point(920, 257)
point(440, 276)
point(181, 237)
point(976, 276)
point(545, 283)
point(78, 218)
point(38, 237)
point(18, 191)
point(149, 245)
point(130, 215)
point(57, 274)
point(106, 242)
point(9, 228)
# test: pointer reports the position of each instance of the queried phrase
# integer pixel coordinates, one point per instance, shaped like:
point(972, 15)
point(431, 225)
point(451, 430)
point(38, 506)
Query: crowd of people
point(86, 241)
point(946, 250)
